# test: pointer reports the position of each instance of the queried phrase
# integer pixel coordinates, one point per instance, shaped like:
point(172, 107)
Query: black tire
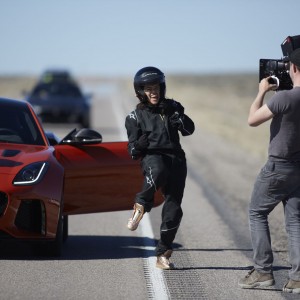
point(52, 248)
point(65, 228)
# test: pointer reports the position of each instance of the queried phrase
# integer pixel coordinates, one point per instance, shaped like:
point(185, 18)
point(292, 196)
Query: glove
point(178, 107)
point(142, 143)
point(175, 120)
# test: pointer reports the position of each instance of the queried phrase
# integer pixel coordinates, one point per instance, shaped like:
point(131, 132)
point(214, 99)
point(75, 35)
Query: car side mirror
point(84, 136)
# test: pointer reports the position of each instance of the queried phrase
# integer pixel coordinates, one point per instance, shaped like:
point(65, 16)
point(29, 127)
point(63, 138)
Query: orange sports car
point(44, 179)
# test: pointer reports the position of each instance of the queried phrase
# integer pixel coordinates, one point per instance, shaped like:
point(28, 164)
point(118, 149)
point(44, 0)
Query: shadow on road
point(224, 249)
point(86, 248)
point(248, 268)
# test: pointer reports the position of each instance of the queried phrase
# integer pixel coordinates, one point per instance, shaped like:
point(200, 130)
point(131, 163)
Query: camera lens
point(271, 65)
point(287, 66)
point(274, 80)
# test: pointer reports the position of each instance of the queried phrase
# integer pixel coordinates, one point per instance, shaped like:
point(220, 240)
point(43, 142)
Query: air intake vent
point(10, 153)
point(3, 203)
point(31, 216)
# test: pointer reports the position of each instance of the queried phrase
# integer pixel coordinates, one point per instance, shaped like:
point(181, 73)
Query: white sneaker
point(138, 212)
point(163, 261)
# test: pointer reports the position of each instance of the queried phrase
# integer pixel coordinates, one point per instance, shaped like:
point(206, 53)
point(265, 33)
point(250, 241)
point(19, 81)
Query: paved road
point(103, 260)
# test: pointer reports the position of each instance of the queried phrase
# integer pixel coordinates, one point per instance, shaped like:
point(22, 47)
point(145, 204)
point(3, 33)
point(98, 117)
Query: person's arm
point(259, 112)
point(181, 121)
point(187, 125)
point(137, 141)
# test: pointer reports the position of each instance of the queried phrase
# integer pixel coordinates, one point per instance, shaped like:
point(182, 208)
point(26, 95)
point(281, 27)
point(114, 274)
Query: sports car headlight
point(31, 174)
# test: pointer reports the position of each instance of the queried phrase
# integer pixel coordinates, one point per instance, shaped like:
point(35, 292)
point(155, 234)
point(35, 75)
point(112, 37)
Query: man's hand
point(142, 143)
point(265, 85)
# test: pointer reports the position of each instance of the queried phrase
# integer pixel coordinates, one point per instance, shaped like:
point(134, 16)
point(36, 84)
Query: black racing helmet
point(148, 75)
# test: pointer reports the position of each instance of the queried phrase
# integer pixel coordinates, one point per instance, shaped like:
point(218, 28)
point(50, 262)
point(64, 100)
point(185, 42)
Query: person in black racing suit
point(153, 136)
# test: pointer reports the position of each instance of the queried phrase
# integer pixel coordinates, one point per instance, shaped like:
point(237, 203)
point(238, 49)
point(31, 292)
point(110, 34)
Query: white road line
point(156, 285)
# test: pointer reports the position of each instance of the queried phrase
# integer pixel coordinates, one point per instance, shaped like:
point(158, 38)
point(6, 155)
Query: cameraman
point(278, 181)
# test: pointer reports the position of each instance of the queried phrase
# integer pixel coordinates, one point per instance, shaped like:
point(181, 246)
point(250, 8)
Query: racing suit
point(163, 160)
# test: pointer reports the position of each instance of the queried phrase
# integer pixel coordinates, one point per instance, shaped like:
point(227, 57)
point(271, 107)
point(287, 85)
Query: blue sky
point(117, 37)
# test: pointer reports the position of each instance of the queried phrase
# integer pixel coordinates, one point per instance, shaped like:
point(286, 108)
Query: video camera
point(279, 68)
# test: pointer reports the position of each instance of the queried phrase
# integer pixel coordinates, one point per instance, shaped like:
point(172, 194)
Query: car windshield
point(56, 89)
point(18, 126)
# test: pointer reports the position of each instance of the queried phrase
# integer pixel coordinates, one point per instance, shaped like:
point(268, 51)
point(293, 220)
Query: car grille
point(31, 216)
point(3, 203)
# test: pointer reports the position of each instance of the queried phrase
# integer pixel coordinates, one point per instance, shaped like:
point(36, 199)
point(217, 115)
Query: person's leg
point(155, 174)
point(292, 221)
point(265, 197)
point(172, 211)
point(275, 183)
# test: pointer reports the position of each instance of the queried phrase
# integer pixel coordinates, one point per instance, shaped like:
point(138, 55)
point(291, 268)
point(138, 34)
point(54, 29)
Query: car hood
point(13, 157)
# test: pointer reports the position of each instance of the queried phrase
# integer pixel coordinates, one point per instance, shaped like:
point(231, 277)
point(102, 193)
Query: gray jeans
point(277, 182)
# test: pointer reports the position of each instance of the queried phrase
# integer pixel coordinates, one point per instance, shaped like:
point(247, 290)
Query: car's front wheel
point(52, 248)
point(55, 247)
point(65, 228)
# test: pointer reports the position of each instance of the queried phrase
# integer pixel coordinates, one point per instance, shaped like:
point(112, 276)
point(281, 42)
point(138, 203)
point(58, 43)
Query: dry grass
point(217, 103)
point(12, 87)
point(220, 105)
